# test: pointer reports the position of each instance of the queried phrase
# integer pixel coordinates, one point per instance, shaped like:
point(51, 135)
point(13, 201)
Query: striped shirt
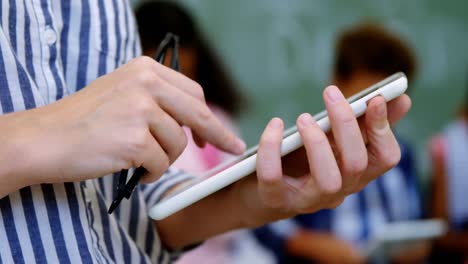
point(48, 50)
point(361, 217)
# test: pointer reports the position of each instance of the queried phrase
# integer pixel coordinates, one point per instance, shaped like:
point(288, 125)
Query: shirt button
point(50, 36)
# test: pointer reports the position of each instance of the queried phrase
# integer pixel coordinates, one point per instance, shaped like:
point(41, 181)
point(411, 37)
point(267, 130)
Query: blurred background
point(280, 55)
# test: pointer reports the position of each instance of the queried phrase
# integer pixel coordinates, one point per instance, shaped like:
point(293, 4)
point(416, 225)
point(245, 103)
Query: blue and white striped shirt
point(49, 49)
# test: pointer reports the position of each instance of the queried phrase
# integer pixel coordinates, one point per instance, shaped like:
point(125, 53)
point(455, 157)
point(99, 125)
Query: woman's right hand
point(130, 117)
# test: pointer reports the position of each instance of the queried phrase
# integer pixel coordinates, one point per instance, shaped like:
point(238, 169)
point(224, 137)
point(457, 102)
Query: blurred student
point(449, 156)
point(199, 62)
point(365, 55)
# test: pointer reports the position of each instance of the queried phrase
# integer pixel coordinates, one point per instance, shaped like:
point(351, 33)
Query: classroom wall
point(281, 53)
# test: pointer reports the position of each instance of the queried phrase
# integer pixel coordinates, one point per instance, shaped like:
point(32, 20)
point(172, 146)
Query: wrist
point(18, 156)
point(36, 147)
point(237, 212)
point(240, 205)
point(214, 215)
point(247, 203)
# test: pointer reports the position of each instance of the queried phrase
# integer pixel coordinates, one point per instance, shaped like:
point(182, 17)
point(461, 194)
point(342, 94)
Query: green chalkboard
point(281, 53)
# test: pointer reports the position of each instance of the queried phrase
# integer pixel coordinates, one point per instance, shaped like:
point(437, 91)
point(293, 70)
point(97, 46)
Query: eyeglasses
point(124, 188)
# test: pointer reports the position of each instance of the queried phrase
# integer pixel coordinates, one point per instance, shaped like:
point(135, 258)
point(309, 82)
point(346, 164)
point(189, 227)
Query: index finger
point(195, 114)
point(185, 84)
point(179, 81)
point(176, 79)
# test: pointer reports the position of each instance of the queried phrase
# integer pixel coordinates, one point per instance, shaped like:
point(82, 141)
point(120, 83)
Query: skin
point(144, 104)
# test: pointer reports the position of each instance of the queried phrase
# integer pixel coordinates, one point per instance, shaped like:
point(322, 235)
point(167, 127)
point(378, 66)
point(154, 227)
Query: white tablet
point(239, 167)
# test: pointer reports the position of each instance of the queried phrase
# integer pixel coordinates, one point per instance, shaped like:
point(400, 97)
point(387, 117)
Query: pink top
point(196, 161)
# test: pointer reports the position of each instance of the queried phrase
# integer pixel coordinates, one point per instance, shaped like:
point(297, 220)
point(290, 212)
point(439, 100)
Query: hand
point(129, 118)
point(326, 170)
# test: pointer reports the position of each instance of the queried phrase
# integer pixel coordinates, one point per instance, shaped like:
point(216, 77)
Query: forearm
point(9, 180)
point(16, 158)
point(33, 150)
point(216, 214)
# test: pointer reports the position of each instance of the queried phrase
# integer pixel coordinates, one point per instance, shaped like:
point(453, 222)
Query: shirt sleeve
point(155, 191)
point(171, 256)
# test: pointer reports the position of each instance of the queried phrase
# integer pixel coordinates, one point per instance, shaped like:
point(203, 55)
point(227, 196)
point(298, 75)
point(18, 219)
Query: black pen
point(124, 188)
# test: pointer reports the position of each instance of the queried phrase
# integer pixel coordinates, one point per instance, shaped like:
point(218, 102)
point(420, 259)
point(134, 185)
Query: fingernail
point(306, 120)
point(275, 123)
point(382, 123)
point(380, 109)
point(240, 146)
point(334, 94)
